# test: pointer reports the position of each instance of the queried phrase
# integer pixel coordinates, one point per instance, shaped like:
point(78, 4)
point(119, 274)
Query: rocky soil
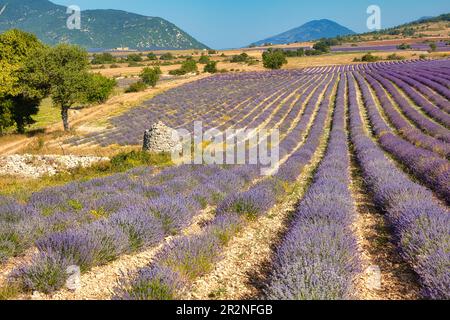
point(35, 166)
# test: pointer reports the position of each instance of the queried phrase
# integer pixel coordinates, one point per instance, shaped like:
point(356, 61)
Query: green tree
point(211, 67)
point(151, 56)
point(150, 76)
point(99, 88)
point(433, 46)
point(274, 59)
point(19, 97)
point(66, 69)
point(243, 57)
point(167, 56)
point(322, 46)
point(134, 58)
point(103, 58)
point(204, 59)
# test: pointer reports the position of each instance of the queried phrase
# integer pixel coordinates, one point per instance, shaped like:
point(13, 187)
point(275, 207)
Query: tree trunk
point(65, 117)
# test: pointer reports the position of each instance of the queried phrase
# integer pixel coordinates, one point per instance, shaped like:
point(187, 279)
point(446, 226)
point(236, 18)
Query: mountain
point(312, 30)
point(104, 29)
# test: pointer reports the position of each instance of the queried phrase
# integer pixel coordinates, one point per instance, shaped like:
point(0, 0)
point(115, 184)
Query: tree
point(19, 97)
point(188, 66)
point(134, 58)
point(274, 59)
point(322, 46)
point(99, 88)
point(65, 69)
point(103, 58)
point(243, 57)
point(151, 56)
point(150, 76)
point(211, 67)
point(433, 46)
point(167, 56)
point(204, 59)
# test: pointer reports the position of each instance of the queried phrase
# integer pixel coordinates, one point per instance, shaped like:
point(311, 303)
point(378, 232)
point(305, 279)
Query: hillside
point(312, 30)
point(99, 28)
point(425, 27)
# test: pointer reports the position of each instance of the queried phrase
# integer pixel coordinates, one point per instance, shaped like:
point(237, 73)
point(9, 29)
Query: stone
point(161, 138)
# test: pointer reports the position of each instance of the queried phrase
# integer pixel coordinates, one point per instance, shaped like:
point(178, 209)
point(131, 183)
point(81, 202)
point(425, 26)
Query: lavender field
point(152, 234)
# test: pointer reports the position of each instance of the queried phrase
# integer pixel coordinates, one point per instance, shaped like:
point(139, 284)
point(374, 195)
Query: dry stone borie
point(161, 138)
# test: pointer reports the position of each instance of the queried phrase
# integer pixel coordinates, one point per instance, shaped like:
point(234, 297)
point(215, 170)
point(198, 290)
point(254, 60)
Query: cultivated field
point(363, 187)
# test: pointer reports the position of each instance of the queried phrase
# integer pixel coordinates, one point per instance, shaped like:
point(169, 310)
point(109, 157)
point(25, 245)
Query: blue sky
point(232, 23)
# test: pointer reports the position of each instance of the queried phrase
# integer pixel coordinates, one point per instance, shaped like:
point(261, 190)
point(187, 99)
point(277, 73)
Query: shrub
point(404, 46)
point(103, 58)
point(151, 56)
point(188, 66)
point(274, 59)
point(150, 76)
point(167, 56)
point(212, 52)
point(136, 87)
point(211, 67)
point(394, 56)
point(99, 89)
point(243, 57)
point(322, 46)
point(152, 284)
point(134, 58)
point(204, 59)
point(135, 64)
point(369, 57)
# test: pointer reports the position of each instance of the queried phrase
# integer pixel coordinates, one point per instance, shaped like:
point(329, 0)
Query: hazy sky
point(233, 23)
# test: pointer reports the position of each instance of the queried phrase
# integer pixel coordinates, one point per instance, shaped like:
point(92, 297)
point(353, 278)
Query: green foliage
point(322, 46)
point(433, 46)
point(243, 57)
point(65, 68)
point(19, 96)
point(167, 56)
point(188, 66)
point(136, 87)
point(295, 53)
point(404, 46)
point(369, 57)
point(99, 89)
point(103, 58)
point(274, 59)
point(150, 76)
point(134, 58)
point(211, 67)
point(151, 56)
point(395, 56)
point(204, 59)
point(211, 51)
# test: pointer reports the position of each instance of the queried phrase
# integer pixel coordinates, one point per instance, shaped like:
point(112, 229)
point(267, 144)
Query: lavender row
point(318, 258)
point(415, 82)
point(411, 133)
point(193, 256)
point(421, 225)
point(425, 165)
point(136, 226)
point(419, 119)
point(433, 111)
